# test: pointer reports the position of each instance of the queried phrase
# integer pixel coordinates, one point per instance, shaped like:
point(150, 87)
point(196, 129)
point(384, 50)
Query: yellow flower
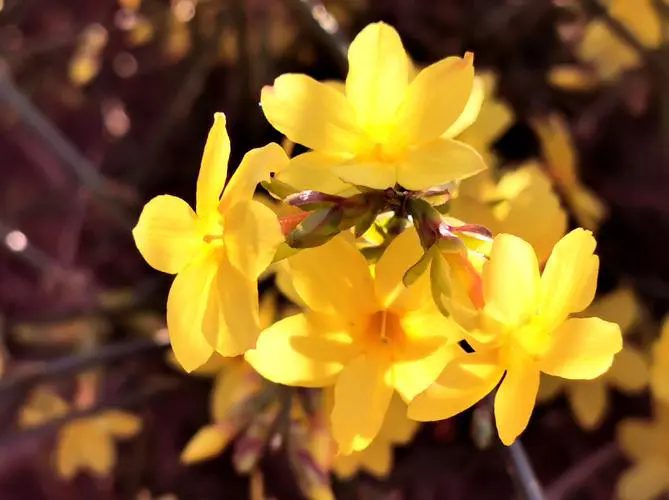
point(377, 458)
point(217, 252)
point(606, 51)
point(512, 206)
point(385, 128)
point(659, 371)
point(82, 444)
point(366, 334)
point(646, 443)
point(561, 162)
point(629, 372)
point(524, 330)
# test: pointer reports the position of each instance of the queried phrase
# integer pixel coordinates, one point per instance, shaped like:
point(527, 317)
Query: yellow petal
point(231, 388)
point(434, 100)
point(342, 287)
point(589, 401)
point(629, 371)
point(438, 162)
point(640, 439)
point(187, 312)
point(644, 481)
point(312, 114)
point(301, 350)
point(363, 172)
point(397, 427)
point(232, 319)
point(254, 168)
point(213, 169)
point(166, 234)
point(423, 357)
point(251, 237)
point(207, 443)
point(558, 149)
point(376, 459)
point(68, 453)
point(569, 279)
point(378, 75)
point(582, 348)
point(403, 252)
point(471, 111)
point(515, 400)
point(313, 170)
point(511, 280)
point(464, 382)
point(121, 424)
point(362, 396)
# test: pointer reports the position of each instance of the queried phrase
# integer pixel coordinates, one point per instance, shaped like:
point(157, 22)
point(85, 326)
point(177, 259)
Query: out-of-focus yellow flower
point(629, 372)
point(525, 329)
point(646, 444)
point(377, 458)
point(217, 252)
point(367, 334)
point(560, 158)
point(82, 444)
point(385, 128)
point(659, 371)
point(512, 206)
point(606, 51)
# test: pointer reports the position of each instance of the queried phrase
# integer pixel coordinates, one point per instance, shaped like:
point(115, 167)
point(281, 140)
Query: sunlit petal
point(515, 400)
point(214, 168)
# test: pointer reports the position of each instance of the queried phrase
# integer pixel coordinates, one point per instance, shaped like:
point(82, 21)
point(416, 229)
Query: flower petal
point(313, 170)
point(375, 175)
point(423, 361)
point(362, 396)
point(252, 235)
point(464, 382)
point(619, 306)
point(334, 278)
point(213, 168)
point(121, 424)
point(186, 306)
point(629, 371)
point(511, 280)
point(232, 315)
point(515, 400)
point(299, 350)
point(397, 427)
point(403, 252)
point(376, 459)
point(378, 75)
point(582, 348)
point(207, 443)
point(471, 112)
point(233, 386)
point(254, 168)
point(166, 234)
point(644, 481)
point(640, 439)
point(312, 114)
point(569, 279)
point(438, 162)
point(589, 402)
point(434, 100)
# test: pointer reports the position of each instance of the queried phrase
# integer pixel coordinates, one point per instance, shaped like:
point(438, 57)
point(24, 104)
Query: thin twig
point(85, 171)
point(324, 26)
point(78, 362)
point(622, 32)
point(522, 472)
point(582, 471)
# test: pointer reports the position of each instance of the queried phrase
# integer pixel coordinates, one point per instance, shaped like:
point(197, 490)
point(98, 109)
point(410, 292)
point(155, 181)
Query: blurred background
point(106, 103)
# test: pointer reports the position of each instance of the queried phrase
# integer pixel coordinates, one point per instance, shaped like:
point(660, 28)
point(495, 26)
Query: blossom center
point(384, 328)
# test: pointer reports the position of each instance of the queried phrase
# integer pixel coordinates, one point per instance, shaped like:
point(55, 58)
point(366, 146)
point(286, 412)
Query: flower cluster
point(401, 294)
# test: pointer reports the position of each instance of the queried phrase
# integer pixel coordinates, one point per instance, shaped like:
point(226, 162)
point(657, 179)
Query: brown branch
point(582, 471)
